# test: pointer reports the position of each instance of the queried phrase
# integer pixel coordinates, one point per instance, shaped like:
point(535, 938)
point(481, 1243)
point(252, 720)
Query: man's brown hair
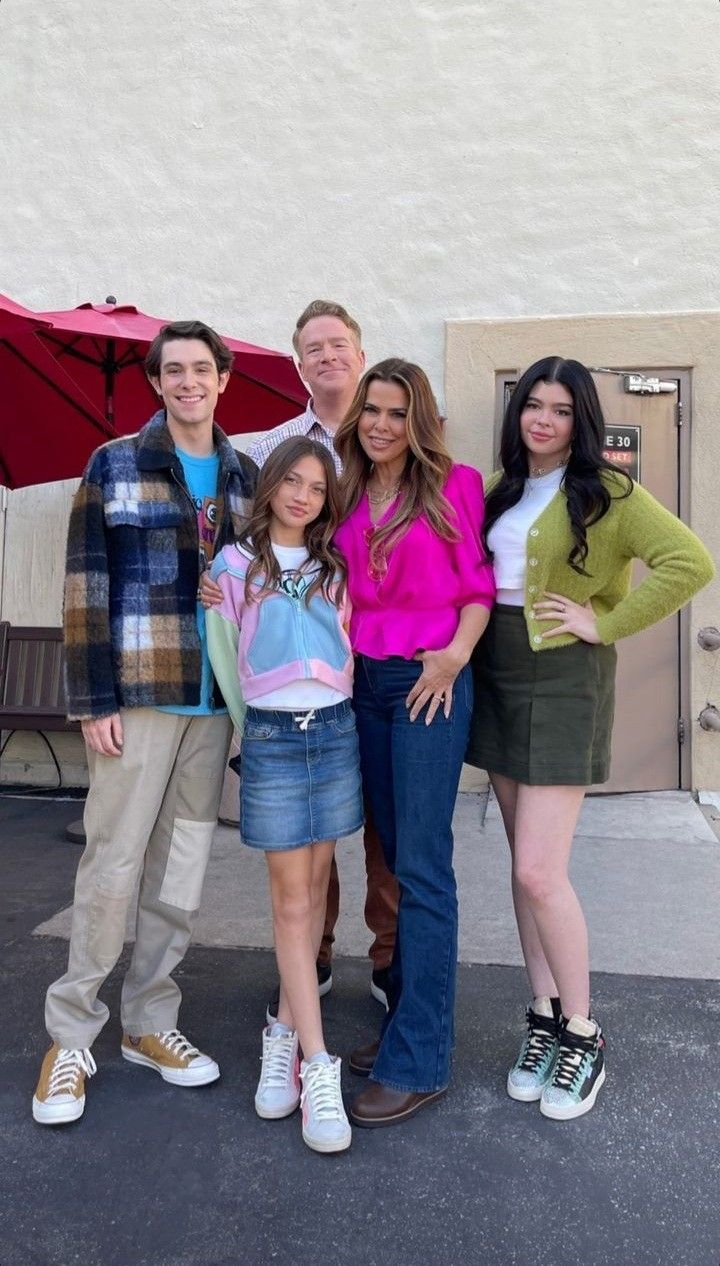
point(221, 353)
point(321, 308)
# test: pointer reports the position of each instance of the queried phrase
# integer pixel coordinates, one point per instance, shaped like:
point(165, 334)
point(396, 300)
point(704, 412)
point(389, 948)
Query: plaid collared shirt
point(308, 423)
point(131, 636)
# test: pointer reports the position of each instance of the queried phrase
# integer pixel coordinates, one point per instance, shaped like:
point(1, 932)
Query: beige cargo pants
point(150, 815)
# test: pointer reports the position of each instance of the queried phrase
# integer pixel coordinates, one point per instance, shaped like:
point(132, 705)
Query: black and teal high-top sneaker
point(533, 1067)
point(578, 1072)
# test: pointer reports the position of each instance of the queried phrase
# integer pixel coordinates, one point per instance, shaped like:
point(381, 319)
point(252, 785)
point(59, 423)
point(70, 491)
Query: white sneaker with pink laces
point(325, 1125)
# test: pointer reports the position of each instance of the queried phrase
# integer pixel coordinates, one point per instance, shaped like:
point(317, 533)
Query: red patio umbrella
point(102, 346)
point(48, 428)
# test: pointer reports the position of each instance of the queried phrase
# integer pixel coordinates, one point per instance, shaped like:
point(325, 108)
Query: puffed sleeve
point(464, 491)
point(222, 624)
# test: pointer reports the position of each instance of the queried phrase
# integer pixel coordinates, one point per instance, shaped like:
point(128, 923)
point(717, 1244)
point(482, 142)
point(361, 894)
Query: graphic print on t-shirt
point(295, 584)
point(208, 513)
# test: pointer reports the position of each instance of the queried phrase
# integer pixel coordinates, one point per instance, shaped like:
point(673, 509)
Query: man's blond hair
point(321, 308)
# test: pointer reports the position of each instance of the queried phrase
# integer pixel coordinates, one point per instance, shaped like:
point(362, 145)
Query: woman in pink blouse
point(421, 592)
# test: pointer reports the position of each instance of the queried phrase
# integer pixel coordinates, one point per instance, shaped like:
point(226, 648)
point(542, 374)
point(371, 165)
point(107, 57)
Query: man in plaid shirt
point(327, 343)
point(149, 513)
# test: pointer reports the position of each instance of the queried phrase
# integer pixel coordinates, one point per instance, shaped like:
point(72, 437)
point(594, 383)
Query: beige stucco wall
point(477, 350)
point(419, 160)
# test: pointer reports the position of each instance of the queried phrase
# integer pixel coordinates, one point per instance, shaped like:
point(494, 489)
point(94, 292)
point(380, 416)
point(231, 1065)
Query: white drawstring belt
point(304, 720)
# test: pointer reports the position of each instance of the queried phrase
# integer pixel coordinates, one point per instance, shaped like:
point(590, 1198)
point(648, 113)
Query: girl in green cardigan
point(563, 527)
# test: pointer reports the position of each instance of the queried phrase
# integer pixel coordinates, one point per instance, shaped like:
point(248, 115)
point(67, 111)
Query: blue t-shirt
point(201, 477)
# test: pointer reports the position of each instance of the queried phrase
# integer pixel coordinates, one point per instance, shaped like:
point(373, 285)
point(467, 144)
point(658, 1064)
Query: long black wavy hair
point(588, 495)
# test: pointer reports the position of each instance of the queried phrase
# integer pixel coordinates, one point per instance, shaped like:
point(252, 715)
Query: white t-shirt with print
point(298, 695)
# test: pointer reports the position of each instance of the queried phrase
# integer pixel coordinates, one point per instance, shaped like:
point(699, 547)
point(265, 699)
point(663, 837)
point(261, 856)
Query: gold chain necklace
point(376, 500)
point(536, 472)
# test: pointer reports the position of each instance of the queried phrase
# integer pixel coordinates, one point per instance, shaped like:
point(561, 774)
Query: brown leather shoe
point(362, 1059)
point(380, 1105)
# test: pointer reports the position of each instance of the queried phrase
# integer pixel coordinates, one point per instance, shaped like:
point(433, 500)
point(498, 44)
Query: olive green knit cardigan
point(635, 526)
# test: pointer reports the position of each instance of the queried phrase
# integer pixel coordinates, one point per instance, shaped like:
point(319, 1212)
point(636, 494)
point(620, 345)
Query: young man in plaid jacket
point(147, 518)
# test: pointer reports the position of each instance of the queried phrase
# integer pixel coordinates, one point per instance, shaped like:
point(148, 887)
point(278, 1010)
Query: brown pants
point(381, 903)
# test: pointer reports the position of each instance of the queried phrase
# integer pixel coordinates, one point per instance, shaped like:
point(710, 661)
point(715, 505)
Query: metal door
point(643, 412)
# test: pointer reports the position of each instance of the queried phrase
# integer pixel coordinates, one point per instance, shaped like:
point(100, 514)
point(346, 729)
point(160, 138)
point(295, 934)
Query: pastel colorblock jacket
point(635, 526)
point(133, 558)
point(256, 647)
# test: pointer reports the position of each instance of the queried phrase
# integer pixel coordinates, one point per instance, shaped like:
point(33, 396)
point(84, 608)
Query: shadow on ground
point(157, 1176)
point(168, 1177)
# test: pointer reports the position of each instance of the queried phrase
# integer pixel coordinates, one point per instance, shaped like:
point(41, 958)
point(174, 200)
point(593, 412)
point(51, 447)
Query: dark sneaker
point(379, 985)
point(533, 1067)
point(578, 1072)
point(324, 975)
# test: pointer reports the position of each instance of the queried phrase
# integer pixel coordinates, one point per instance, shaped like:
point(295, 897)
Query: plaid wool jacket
point(133, 561)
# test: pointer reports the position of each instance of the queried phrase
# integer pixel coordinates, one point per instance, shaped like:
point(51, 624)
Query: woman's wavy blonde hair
point(330, 576)
point(427, 466)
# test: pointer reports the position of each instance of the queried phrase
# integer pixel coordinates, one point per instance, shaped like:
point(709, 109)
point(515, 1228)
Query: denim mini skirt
point(543, 718)
point(299, 777)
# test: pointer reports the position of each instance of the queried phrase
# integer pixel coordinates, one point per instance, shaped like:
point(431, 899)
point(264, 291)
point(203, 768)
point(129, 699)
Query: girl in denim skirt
point(281, 654)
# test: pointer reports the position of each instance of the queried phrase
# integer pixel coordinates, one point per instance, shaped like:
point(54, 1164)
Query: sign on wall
point(622, 448)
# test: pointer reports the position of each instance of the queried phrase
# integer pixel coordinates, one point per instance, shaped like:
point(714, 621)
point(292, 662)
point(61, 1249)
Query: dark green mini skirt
point(543, 718)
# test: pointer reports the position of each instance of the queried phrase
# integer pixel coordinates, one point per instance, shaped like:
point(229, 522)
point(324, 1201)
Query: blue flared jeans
point(410, 775)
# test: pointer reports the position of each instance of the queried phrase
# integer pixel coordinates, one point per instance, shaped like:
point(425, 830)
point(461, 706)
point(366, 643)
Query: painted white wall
point(416, 160)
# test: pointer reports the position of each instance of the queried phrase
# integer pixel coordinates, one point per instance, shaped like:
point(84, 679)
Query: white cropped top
point(507, 537)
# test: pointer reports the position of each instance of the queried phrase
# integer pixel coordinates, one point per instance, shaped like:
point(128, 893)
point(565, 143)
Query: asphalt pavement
point(158, 1176)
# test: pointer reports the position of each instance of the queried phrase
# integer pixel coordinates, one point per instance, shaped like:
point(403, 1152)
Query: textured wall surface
point(418, 161)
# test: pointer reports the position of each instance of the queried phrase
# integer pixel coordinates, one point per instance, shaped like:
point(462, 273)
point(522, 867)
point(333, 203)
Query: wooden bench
point(32, 684)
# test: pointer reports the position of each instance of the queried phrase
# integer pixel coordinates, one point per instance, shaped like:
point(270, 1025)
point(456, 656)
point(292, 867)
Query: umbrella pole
point(109, 366)
point(3, 528)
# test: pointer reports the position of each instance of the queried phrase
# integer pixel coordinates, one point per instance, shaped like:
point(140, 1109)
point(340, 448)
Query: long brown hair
point(427, 466)
point(330, 576)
